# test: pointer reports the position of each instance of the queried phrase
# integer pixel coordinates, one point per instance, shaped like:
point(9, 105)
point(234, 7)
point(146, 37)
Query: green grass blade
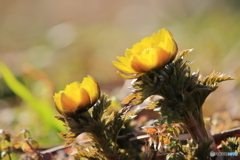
point(44, 109)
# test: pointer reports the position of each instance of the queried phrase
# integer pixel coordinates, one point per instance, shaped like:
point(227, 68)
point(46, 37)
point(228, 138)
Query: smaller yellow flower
point(77, 97)
point(151, 53)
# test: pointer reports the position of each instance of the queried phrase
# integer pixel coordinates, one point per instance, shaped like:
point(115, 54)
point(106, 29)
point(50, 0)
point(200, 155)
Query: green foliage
point(181, 90)
point(197, 149)
point(42, 108)
point(88, 152)
point(231, 145)
point(182, 93)
point(5, 144)
point(102, 130)
point(8, 145)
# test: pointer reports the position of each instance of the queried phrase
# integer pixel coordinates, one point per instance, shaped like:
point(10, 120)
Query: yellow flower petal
point(149, 54)
point(162, 57)
point(129, 53)
point(77, 97)
point(123, 68)
point(68, 104)
point(92, 88)
point(84, 100)
point(124, 76)
point(139, 65)
point(73, 87)
point(57, 100)
point(124, 60)
point(166, 41)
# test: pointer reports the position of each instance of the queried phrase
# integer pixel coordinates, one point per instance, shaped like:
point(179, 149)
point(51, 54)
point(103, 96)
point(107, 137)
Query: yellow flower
point(151, 53)
point(77, 97)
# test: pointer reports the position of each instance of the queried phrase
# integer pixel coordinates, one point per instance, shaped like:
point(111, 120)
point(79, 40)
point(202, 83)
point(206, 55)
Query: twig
point(226, 134)
point(132, 137)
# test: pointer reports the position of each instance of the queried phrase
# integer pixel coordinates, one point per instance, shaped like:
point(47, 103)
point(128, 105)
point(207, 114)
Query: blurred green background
point(47, 44)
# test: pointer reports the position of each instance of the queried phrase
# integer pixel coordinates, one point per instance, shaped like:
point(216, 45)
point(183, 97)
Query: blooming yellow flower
point(77, 97)
point(151, 53)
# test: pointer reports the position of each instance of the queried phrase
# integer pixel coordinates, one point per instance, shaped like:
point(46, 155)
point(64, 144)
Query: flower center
point(147, 51)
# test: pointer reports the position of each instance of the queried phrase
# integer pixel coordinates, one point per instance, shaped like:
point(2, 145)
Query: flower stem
point(194, 129)
point(103, 142)
point(112, 157)
point(197, 130)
